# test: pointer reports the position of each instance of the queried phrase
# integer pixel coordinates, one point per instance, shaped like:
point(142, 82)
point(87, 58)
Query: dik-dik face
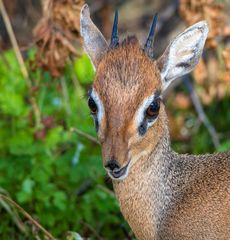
point(125, 100)
point(127, 95)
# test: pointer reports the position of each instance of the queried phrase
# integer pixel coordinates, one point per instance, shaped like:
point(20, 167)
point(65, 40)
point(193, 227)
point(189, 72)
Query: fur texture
point(165, 195)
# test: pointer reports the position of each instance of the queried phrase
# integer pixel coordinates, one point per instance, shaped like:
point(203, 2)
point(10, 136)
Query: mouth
point(119, 174)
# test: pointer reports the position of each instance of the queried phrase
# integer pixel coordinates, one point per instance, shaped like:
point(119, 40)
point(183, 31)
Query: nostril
point(112, 165)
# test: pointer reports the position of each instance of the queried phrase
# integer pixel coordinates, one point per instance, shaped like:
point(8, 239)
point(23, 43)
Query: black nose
point(112, 165)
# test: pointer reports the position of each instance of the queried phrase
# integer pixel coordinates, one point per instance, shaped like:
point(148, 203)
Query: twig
point(167, 14)
point(92, 230)
point(111, 193)
point(47, 6)
point(65, 96)
point(85, 187)
point(20, 61)
point(14, 43)
point(200, 111)
point(12, 212)
point(27, 215)
point(86, 135)
point(126, 233)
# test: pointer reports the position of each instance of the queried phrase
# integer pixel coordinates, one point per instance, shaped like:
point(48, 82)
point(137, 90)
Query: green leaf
point(27, 185)
point(84, 69)
point(20, 143)
point(60, 200)
point(25, 194)
point(224, 146)
point(54, 136)
point(73, 236)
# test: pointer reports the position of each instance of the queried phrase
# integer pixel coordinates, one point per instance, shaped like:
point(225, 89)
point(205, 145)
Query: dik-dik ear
point(183, 53)
point(94, 42)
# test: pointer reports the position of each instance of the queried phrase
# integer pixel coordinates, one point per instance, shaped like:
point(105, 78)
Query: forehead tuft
point(130, 40)
point(127, 66)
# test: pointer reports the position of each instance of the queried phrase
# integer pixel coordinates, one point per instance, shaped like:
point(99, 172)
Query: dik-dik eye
point(153, 110)
point(92, 105)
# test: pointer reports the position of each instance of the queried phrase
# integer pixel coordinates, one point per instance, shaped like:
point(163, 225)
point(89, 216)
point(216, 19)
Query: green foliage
point(224, 146)
point(84, 70)
point(73, 236)
point(53, 173)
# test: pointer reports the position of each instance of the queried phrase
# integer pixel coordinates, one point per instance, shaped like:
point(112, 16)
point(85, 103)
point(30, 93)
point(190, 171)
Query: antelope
point(162, 194)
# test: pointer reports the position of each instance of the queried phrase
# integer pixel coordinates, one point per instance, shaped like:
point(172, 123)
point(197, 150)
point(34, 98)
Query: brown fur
point(134, 79)
point(165, 195)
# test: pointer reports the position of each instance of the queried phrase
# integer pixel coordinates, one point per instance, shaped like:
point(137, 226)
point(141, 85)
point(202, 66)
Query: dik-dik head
point(125, 99)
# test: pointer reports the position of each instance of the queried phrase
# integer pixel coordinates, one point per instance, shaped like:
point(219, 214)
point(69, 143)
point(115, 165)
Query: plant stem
point(27, 215)
point(65, 96)
point(200, 111)
point(21, 62)
point(86, 135)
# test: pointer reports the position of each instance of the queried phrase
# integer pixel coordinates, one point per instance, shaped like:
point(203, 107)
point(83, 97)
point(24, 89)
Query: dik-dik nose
point(112, 165)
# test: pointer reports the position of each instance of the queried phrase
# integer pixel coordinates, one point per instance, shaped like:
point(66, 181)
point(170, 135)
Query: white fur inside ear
point(183, 53)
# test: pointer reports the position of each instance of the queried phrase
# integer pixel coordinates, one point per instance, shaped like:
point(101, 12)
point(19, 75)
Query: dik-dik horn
point(162, 194)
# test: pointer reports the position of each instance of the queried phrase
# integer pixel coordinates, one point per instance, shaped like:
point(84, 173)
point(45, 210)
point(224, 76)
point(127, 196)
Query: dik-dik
point(162, 194)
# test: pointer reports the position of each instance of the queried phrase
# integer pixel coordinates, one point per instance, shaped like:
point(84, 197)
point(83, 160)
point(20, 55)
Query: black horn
point(150, 39)
point(114, 38)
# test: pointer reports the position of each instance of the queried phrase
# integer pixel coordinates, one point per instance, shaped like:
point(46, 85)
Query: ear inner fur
point(183, 53)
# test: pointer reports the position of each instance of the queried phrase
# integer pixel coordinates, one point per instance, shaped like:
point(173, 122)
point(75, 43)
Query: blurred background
point(50, 161)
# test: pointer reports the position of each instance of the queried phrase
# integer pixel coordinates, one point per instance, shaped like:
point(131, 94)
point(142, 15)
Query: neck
point(143, 191)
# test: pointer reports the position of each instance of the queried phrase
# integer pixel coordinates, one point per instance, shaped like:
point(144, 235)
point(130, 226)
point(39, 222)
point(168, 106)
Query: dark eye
point(153, 109)
point(92, 105)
